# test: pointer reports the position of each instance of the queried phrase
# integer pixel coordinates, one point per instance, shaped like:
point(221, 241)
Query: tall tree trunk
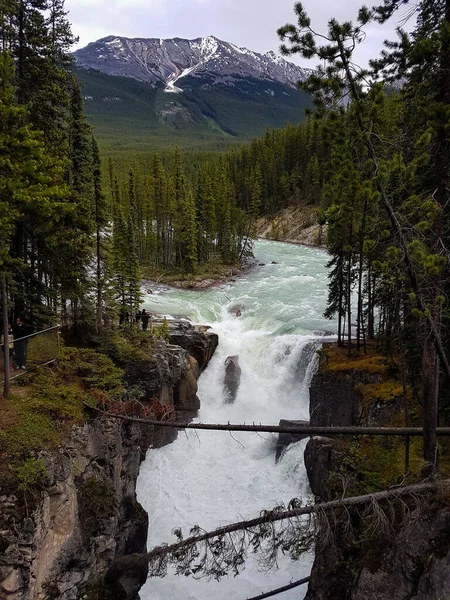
point(99, 272)
point(359, 321)
point(370, 305)
point(349, 296)
point(430, 391)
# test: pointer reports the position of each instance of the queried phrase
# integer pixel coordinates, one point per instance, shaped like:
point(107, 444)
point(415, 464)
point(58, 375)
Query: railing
point(30, 351)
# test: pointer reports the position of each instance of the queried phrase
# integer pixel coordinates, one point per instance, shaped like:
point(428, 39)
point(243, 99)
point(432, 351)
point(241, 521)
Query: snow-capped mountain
point(150, 92)
point(157, 61)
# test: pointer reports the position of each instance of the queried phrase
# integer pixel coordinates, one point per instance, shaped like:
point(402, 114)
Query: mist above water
point(214, 478)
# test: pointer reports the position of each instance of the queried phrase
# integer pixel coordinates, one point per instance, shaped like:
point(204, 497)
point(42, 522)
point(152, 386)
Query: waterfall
point(214, 478)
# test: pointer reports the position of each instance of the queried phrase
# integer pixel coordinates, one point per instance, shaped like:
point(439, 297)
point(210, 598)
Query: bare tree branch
point(280, 590)
point(216, 553)
point(299, 429)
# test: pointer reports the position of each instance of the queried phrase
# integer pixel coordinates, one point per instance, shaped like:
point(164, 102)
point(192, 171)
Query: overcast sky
point(249, 23)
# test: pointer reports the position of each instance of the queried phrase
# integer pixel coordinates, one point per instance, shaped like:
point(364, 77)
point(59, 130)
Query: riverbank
point(295, 224)
point(158, 283)
point(155, 282)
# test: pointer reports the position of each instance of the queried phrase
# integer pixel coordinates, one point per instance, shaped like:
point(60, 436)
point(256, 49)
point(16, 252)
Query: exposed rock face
point(296, 224)
point(416, 566)
point(413, 565)
point(322, 457)
point(414, 562)
point(88, 517)
point(232, 378)
point(284, 439)
point(332, 400)
point(196, 340)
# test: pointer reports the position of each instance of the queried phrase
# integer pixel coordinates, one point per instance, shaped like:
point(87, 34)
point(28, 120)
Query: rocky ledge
point(87, 518)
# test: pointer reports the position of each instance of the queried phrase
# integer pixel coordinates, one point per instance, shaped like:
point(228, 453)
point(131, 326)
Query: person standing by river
point(146, 317)
point(21, 331)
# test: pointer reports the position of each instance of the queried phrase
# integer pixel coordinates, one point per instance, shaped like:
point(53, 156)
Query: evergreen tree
point(188, 239)
point(32, 195)
point(100, 217)
point(421, 262)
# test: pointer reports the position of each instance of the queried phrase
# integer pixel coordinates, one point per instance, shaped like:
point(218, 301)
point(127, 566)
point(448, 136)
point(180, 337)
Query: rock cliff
point(88, 517)
point(409, 560)
point(296, 224)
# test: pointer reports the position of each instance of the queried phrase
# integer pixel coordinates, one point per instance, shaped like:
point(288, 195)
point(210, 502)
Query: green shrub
point(96, 369)
point(31, 475)
point(163, 330)
point(128, 345)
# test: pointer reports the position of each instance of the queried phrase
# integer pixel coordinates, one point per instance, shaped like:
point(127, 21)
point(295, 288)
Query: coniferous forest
point(373, 157)
point(80, 228)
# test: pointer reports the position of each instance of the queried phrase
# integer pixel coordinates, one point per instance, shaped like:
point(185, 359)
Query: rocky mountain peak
point(166, 61)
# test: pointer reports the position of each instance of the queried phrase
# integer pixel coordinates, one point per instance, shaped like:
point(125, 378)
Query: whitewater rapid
point(214, 478)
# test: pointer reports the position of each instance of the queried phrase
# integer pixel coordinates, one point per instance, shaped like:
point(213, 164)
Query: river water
point(213, 478)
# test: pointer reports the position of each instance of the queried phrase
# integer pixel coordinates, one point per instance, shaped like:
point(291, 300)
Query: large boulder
point(285, 439)
point(236, 310)
point(196, 339)
point(232, 378)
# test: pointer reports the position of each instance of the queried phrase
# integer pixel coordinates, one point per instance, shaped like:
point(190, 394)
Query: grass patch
point(386, 391)
point(175, 276)
point(44, 405)
point(336, 359)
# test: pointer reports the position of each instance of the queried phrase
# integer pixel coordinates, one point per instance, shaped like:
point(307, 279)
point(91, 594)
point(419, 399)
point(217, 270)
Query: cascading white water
point(214, 478)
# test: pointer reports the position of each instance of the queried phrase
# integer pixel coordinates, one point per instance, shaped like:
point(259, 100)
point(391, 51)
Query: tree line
point(373, 158)
point(56, 235)
point(386, 196)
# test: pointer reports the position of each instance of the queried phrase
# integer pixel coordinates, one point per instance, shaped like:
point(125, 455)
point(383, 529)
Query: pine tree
point(423, 59)
point(100, 217)
point(125, 266)
point(32, 195)
point(188, 238)
point(418, 257)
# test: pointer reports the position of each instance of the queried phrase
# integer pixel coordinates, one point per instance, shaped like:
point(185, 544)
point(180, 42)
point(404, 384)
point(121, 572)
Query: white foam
point(213, 478)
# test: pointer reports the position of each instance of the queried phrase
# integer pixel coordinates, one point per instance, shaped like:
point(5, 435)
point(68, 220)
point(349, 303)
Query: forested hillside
point(377, 168)
point(131, 115)
point(149, 93)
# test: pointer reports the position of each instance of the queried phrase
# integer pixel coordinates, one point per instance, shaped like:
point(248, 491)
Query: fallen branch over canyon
point(292, 531)
point(299, 429)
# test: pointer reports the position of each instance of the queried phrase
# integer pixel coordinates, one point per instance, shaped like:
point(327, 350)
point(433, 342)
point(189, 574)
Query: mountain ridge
point(165, 61)
point(152, 93)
